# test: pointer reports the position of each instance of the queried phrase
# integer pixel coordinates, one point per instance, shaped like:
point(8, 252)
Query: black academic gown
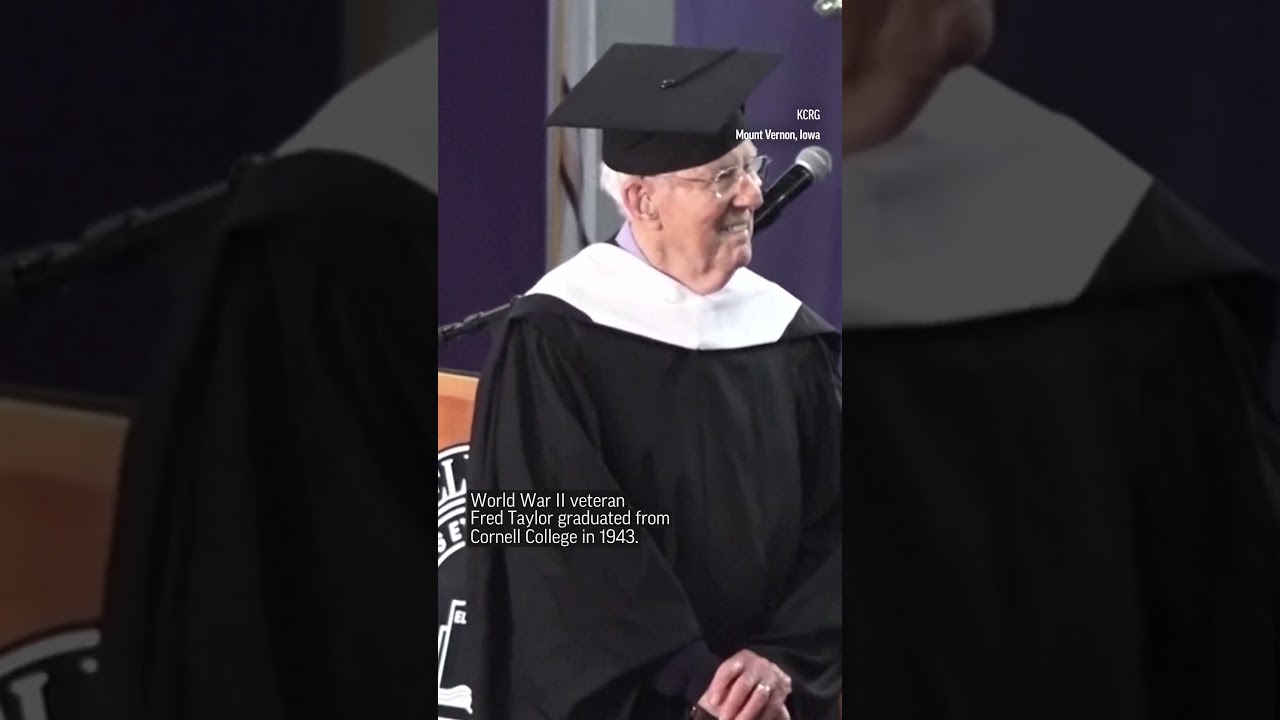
point(1070, 510)
point(271, 535)
point(740, 445)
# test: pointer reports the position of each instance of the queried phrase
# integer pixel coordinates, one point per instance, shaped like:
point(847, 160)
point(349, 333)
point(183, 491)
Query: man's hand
point(747, 687)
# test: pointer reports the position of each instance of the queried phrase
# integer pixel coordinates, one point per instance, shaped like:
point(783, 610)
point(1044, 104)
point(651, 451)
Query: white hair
point(615, 185)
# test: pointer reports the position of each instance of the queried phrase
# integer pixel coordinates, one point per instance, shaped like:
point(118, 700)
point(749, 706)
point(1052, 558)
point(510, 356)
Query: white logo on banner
point(452, 508)
point(452, 501)
point(47, 678)
point(459, 696)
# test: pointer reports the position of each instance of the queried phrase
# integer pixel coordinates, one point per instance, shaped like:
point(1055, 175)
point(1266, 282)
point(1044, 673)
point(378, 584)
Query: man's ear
point(639, 201)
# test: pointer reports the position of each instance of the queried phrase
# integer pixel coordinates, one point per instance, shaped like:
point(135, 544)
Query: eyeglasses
point(725, 182)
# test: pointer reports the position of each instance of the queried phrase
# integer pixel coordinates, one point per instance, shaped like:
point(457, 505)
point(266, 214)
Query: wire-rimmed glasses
point(725, 183)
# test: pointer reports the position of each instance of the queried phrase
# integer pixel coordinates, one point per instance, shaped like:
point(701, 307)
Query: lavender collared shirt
point(626, 240)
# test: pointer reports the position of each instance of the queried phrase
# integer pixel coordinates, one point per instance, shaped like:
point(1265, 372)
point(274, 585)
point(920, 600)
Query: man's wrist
point(688, 672)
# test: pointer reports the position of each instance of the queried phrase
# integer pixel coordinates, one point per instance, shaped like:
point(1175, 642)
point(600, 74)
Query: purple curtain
point(493, 99)
point(801, 251)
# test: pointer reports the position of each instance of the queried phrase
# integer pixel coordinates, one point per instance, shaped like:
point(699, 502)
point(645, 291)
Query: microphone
point(812, 164)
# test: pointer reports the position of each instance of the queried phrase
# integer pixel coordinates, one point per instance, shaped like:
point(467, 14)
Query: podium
point(456, 398)
point(455, 407)
point(58, 469)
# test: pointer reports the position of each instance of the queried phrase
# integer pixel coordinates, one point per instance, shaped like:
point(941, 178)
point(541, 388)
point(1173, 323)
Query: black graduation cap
point(664, 108)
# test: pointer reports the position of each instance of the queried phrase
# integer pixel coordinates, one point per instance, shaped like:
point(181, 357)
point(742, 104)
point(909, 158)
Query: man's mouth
point(736, 228)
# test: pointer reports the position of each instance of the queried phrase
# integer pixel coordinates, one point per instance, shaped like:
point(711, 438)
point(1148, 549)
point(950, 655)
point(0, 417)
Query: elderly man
point(1063, 467)
point(658, 369)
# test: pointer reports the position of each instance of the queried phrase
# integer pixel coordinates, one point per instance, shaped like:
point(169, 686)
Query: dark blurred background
point(113, 105)
point(1188, 90)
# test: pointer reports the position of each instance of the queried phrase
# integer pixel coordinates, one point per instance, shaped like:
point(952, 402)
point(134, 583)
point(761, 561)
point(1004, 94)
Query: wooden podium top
point(455, 406)
point(81, 446)
point(58, 468)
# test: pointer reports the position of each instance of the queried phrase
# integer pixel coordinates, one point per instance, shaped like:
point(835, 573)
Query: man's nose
point(750, 193)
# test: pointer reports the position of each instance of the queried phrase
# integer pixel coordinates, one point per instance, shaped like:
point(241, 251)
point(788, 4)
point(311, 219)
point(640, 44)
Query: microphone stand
point(472, 323)
point(114, 240)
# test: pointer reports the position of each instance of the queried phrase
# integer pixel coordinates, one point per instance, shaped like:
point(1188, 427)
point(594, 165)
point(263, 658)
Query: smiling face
point(704, 214)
